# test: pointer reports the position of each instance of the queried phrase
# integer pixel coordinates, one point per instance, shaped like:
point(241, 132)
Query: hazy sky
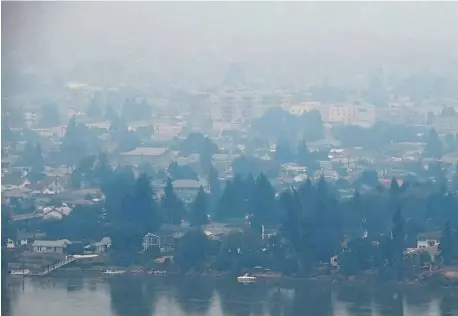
point(291, 41)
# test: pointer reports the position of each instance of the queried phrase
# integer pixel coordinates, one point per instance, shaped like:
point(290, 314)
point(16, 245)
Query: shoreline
point(437, 278)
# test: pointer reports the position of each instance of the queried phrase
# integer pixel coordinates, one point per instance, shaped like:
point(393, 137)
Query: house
point(216, 231)
point(98, 246)
point(425, 256)
point(150, 240)
point(28, 217)
point(152, 155)
point(166, 238)
point(103, 245)
point(428, 239)
point(166, 242)
point(187, 189)
point(56, 213)
point(50, 246)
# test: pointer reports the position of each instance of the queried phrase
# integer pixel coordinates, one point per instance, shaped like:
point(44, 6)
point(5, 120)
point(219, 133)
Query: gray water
point(164, 296)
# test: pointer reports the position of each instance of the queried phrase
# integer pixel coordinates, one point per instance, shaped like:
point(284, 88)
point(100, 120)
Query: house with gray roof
point(50, 246)
point(152, 155)
point(98, 246)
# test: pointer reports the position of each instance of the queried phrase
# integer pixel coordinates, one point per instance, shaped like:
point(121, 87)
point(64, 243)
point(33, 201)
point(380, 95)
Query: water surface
point(164, 296)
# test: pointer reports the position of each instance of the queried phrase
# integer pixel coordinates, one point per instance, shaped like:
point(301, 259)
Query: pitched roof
point(146, 151)
point(187, 184)
point(104, 242)
point(22, 217)
point(151, 235)
point(51, 243)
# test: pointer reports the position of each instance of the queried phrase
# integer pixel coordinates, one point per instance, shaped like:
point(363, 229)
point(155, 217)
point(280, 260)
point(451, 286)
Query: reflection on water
point(146, 296)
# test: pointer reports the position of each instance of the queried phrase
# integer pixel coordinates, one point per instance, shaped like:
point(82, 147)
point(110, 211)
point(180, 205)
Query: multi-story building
point(363, 115)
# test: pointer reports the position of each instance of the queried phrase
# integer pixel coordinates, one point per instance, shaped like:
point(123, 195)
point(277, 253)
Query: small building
point(10, 243)
point(428, 239)
point(102, 245)
point(187, 189)
point(166, 238)
point(50, 246)
point(153, 155)
point(150, 240)
point(98, 246)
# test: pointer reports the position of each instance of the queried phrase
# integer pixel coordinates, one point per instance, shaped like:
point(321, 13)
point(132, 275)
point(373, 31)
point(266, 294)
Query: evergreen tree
point(263, 203)
point(76, 142)
point(94, 110)
point(283, 152)
point(102, 168)
point(144, 207)
point(398, 237)
point(50, 115)
point(249, 186)
point(131, 210)
point(303, 153)
point(394, 187)
point(215, 189)
point(199, 208)
point(76, 179)
point(206, 161)
point(232, 203)
point(39, 163)
point(446, 247)
point(455, 179)
point(33, 157)
point(192, 250)
point(110, 114)
point(172, 206)
point(148, 169)
point(296, 228)
point(434, 147)
point(322, 188)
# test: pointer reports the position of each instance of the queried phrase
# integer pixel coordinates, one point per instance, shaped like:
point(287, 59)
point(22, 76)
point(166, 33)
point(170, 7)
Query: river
point(165, 296)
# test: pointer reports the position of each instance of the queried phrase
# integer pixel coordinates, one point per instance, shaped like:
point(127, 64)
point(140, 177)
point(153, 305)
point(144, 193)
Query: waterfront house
point(150, 240)
point(98, 246)
point(428, 239)
point(50, 246)
point(166, 238)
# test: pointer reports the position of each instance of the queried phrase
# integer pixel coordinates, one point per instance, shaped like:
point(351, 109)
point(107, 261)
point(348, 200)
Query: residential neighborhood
point(229, 158)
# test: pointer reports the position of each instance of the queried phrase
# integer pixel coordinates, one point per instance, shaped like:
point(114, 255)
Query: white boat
point(113, 271)
point(246, 278)
point(20, 272)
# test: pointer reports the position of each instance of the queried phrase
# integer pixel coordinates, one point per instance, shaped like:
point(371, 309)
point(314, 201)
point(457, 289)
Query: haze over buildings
point(211, 44)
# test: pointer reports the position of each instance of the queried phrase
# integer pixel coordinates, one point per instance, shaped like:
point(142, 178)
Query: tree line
point(368, 231)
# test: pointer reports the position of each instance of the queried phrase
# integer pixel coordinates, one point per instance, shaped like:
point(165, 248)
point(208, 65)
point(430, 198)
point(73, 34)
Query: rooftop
point(146, 151)
point(187, 184)
point(104, 242)
point(51, 243)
